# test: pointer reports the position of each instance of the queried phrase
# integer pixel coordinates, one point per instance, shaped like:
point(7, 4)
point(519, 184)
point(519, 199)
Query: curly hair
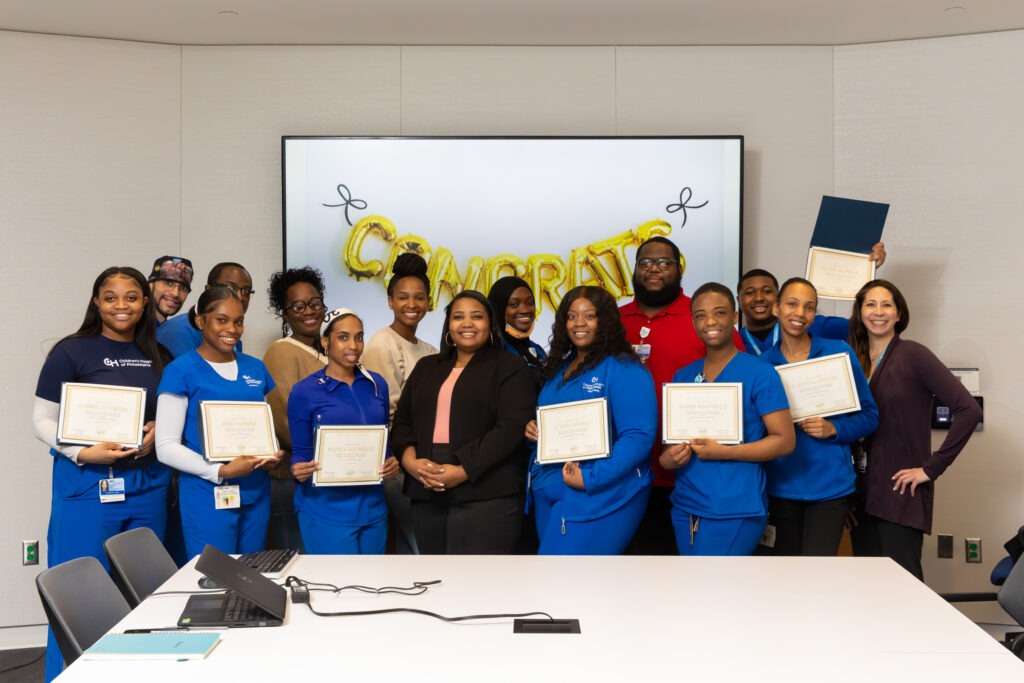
point(281, 282)
point(610, 339)
point(859, 334)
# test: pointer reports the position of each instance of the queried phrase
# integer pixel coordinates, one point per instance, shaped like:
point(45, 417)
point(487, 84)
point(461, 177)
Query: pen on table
point(155, 630)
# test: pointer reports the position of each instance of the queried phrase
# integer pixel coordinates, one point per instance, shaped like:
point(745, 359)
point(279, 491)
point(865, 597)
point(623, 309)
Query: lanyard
point(754, 343)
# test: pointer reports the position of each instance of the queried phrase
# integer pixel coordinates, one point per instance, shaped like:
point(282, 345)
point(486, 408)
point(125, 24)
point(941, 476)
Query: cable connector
point(300, 594)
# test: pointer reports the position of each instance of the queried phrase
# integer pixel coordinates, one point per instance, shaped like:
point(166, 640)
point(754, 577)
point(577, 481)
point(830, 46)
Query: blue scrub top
point(730, 489)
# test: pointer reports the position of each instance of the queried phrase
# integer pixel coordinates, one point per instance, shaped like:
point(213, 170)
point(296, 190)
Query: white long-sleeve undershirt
point(44, 427)
point(171, 410)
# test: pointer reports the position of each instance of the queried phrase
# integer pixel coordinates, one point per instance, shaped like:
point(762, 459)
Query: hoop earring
point(448, 339)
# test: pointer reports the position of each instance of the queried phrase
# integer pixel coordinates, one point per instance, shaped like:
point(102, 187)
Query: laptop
point(251, 600)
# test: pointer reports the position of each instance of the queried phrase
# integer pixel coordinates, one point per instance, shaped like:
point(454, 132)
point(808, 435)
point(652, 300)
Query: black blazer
point(492, 401)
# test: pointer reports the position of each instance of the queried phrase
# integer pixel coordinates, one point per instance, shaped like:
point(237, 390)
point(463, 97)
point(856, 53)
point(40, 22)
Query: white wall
point(123, 152)
point(934, 128)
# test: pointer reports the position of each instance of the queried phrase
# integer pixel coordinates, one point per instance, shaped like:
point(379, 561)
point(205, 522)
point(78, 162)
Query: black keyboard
point(268, 561)
point(237, 608)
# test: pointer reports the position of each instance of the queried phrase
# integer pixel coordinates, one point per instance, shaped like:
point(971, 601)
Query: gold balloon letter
point(370, 225)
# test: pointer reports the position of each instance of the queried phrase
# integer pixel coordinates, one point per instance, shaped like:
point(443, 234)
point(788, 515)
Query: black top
point(493, 399)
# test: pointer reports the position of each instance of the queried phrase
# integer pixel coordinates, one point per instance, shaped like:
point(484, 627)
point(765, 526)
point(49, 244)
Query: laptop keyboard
point(268, 561)
point(237, 608)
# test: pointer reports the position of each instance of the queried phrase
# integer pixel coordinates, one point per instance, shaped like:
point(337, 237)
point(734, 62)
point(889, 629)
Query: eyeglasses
point(241, 291)
point(314, 305)
point(175, 285)
point(648, 263)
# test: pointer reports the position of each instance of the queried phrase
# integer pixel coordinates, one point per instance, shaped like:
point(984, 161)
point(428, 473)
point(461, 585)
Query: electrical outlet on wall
point(30, 552)
point(945, 546)
point(972, 549)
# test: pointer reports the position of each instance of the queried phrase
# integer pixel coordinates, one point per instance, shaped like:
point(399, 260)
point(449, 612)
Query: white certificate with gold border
point(577, 430)
point(350, 455)
point(99, 413)
point(820, 387)
point(704, 410)
point(839, 274)
point(233, 428)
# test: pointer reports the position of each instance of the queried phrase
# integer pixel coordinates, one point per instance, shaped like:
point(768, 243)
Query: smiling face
point(469, 325)
point(120, 304)
point(521, 310)
point(409, 302)
point(344, 343)
point(238, 281)
point(649, 276)
point(169, 295)
point(713, 319)
point(581, 323)
point(305, 324)
point(879, 313)
point(796, 308)
point(222, 328)
point(756, 300)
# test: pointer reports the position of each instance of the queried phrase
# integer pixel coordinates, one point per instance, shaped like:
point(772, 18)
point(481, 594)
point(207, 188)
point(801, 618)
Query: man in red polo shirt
point(660, 328)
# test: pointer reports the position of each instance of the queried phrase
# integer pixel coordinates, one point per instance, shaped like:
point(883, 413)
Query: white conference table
point(693, 619)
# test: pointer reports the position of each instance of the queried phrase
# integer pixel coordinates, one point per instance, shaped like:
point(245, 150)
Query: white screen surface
point(556, 211)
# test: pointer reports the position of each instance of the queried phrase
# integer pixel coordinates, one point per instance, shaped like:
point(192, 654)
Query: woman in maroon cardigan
point(896, 492)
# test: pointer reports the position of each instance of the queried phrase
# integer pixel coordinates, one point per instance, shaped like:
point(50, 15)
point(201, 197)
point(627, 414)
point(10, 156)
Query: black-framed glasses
point(315, 305)
point(241, 291)
point(648, 263)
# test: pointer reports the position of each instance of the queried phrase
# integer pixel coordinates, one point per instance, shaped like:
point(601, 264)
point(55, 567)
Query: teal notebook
point(171, 645)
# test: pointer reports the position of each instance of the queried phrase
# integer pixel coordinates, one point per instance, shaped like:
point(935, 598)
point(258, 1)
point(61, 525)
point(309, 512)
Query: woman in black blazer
point(459, 430)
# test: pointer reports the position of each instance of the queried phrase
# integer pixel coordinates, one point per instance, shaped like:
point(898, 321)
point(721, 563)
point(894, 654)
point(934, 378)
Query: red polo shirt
point(674, 344)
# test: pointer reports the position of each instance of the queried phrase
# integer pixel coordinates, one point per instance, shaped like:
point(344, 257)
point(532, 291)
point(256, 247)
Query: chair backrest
point(1011, 593)
point(139, 563)
point(81, 603)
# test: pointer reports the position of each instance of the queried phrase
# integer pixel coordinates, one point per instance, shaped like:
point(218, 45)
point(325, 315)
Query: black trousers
point(807, 527)
point(874, 537)
point(485, 527)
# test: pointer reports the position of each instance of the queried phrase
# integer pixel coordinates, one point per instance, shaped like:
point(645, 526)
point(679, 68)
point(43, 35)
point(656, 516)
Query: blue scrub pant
point(325, 538)
point(735, 537)
point(607, 535)
point(238, 530)
point(544, 501)
point(80, 523)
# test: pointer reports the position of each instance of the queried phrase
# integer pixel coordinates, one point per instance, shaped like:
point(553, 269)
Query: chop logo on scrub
point(252, 381)
point(111, 363)
point(594, 386)
point(128, 363)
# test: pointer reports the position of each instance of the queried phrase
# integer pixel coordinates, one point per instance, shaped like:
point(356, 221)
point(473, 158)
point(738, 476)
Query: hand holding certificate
point(702, 411)
point(577, 430)
point(820, 387)
point(233, 428)
point(92, 414)
point(839, 274)
point(350, 455)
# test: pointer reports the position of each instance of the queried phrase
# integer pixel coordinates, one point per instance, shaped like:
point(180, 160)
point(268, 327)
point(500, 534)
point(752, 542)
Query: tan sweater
point(288, 362)
point(393, 358)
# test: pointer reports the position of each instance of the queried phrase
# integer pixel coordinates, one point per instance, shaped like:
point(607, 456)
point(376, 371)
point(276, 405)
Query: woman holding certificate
point(105, 488)
point(339, 501)
point(459, 427)
point(809, 490)
point(297, 297)
point(896, 490)
point(224, 504)
point(719, 506)
point(593, 506)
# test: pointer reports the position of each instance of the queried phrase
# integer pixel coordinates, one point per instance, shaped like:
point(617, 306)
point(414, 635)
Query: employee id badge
point(112, 490)
point(643, 351)
point(768, 537)
point(227, 497)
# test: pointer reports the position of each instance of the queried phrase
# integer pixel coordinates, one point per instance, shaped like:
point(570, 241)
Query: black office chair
point(81, 604)
point(139, 563)
point(1011, 599)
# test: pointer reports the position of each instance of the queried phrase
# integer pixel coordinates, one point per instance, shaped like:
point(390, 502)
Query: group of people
point(461, 475)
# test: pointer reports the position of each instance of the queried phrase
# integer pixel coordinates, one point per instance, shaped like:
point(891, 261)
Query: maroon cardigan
point(903, 385)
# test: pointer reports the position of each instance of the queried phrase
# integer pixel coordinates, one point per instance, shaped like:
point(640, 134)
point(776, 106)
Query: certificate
point(233, 428)
point(820, 387)
point(839, 274)
point(573, 431)
point(99, 413)
point(350, 455)
point(706, 410)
